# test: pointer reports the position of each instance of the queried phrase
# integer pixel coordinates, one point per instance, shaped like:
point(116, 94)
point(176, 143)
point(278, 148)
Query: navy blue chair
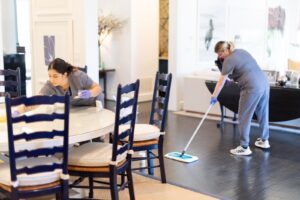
point(34, 168)
point(149, 137)
point(11, 82)
point(93, 160)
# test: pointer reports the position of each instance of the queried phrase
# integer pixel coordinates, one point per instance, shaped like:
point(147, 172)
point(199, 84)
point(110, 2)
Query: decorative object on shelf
point(106, 25)
point(282, 80)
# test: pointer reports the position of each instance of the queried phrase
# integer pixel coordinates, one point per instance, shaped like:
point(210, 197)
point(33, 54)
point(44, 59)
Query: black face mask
point(219, 63)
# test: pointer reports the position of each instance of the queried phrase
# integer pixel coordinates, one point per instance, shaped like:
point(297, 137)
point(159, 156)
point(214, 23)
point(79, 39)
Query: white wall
point(133, 50)
point(182, 47)
point(1, 43)
point(9, 36)
point(74, 25)
point(239, 18)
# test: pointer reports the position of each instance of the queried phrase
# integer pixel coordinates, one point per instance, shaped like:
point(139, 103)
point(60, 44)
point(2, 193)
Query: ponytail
point(61, 66)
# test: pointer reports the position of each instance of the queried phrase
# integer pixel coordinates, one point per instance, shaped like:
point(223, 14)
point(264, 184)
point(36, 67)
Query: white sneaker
point(262, 144)
point(241, 151)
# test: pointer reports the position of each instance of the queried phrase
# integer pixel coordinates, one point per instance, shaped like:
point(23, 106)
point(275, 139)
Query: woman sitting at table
point(65, 78)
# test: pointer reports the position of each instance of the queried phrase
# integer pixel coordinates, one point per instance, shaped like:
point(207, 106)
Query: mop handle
point(196, 131)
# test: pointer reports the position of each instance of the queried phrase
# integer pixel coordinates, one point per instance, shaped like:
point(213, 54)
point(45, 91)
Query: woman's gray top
point(243, 68)
point(78, 80)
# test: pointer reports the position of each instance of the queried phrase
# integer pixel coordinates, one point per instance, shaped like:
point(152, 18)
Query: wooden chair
point(11, 82)
point(149, 137)
point(109, 160)
point(36, 170)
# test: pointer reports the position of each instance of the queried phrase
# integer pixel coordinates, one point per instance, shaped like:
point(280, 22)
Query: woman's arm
point(219, 85)
point(95, 89)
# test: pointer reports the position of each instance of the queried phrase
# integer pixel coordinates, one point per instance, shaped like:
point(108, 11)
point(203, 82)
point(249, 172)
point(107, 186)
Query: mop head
point(184, 158)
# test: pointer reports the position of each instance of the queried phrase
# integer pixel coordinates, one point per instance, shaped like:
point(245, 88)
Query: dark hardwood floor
point(265, 175)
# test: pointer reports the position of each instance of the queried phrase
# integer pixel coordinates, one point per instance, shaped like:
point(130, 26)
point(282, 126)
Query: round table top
point(85, 123)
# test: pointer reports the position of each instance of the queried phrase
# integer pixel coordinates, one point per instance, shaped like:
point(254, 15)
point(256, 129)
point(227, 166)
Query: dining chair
point(108, 160)
point(36, 168)
point(11, 82)
point(149, 137)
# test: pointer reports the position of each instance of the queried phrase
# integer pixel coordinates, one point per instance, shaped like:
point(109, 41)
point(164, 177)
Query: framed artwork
point(49, 48)
point(211, 17)
point(271, 75)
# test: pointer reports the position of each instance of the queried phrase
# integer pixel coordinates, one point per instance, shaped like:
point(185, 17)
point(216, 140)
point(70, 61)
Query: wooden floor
point(270, 175)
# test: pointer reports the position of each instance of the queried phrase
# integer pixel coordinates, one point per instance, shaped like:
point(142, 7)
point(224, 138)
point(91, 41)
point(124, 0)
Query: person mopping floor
point(240, 66)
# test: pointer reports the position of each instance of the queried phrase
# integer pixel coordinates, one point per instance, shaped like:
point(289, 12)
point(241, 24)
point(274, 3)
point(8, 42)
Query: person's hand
point(85, 94)
point(213, 100)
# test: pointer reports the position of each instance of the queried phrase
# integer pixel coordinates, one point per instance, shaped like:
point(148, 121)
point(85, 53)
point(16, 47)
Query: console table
point(284, 101)
point(102, 74)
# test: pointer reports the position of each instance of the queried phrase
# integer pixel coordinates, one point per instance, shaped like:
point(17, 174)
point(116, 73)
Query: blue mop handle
point(196, 130)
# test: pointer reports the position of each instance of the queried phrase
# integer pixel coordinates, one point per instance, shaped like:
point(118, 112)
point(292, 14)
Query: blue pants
point(251, 102)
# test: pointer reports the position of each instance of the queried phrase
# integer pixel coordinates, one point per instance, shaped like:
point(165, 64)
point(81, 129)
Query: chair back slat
point(39, 152)
point(36, 101)
point(128, 88)
point(126, 119)
point(40, 168)
point(38, 118)
point(39, 135)
point(124, 134)
point(160, 100)
point(162, 88)
point(11, 83)
point(127, 104)
point(131, 101)
point(163, 76)
point(58, 139)
point(123, 148)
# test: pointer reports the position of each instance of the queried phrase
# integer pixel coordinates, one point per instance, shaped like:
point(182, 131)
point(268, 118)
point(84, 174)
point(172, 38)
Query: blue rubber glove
point(85, 94)
point(213, 100)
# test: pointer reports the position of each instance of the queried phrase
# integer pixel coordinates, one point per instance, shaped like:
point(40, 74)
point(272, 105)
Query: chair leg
point(150, 162)
point(91, 187)
point(65, 190)
point(14, 195)
point(130, 183)
point(113, 184)
point(122, 178)
point(161, 161)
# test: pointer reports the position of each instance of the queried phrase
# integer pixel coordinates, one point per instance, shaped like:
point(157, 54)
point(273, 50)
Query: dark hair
point(61, 66)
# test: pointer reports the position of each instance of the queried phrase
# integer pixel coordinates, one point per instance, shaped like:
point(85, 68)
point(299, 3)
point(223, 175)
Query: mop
point(183, 157)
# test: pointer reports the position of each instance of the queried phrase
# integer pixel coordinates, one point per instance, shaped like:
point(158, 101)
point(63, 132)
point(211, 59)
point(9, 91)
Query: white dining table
point(85, 123)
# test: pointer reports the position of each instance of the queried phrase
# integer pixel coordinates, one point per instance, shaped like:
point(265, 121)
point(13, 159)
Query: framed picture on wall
point(272, 75)
point(211, 17)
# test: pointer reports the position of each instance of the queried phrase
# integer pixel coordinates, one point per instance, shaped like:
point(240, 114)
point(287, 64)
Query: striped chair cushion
point(96, 154)
point(30, 179)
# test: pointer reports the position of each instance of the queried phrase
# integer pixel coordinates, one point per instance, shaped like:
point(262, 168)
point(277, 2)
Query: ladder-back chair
point(11, 82)
point(34, 169)
point(149, 137)
point(108, 160)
